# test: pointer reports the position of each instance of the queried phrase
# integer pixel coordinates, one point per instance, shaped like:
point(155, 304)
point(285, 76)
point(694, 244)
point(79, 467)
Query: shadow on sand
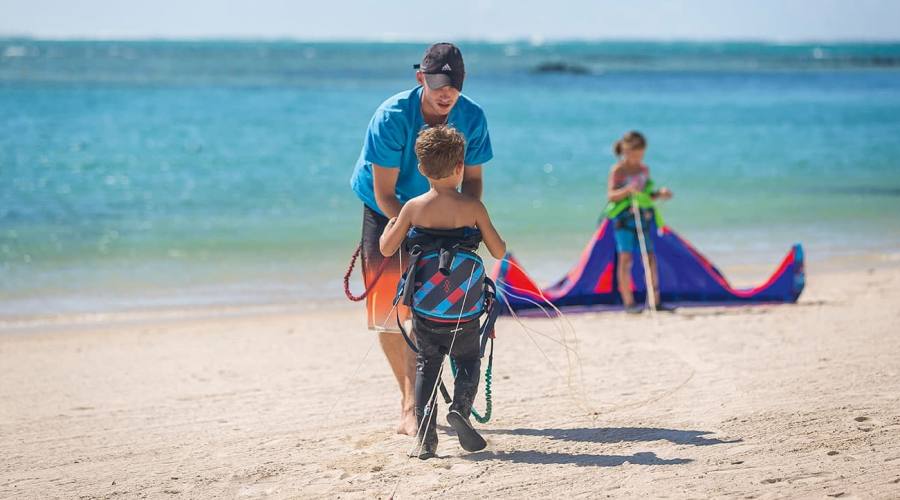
point(539, 457)
point(618, 435)
point(601, 435)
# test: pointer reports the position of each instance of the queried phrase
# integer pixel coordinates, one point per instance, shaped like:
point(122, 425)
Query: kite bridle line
point(645, 257)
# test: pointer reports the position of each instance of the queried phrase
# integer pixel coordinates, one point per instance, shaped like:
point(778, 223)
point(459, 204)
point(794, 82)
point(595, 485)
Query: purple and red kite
point(686, 277)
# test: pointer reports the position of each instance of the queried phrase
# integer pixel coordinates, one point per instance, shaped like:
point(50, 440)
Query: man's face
point(441, 100)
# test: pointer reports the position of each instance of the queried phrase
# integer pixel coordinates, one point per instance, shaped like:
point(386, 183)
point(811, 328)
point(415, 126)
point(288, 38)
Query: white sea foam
point(15, 51)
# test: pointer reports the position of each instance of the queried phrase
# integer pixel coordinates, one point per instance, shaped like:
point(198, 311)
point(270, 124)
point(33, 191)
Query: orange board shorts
point(382, 315)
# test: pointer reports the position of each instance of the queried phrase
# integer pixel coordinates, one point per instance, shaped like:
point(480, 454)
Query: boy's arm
point(492, 240)
point(395, 232)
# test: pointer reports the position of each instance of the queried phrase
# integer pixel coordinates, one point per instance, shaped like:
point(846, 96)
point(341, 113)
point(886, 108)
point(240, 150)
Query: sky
point(774, 20)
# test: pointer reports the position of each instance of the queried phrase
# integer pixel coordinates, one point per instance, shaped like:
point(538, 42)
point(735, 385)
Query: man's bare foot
point(407, 423)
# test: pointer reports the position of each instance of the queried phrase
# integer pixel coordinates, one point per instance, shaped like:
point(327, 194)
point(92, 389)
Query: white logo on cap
point(446, 68)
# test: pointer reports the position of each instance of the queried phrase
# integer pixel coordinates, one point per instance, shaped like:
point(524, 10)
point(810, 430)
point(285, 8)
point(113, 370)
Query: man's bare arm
point(384, 182)
point(471, 183)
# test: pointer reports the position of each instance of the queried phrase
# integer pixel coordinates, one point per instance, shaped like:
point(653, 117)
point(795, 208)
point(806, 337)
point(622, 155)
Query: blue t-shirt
point(391, 140)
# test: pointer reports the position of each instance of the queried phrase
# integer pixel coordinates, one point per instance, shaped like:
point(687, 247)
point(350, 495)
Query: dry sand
point(761, 402)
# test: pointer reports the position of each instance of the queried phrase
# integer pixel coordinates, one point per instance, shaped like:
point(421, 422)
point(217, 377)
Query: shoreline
point(746, 275)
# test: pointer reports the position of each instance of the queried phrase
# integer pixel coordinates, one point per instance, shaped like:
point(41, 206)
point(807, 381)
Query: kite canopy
point(686, 277)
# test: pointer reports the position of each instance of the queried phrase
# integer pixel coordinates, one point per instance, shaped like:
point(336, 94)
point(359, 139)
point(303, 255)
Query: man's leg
point(382, 314)
point(403, 363)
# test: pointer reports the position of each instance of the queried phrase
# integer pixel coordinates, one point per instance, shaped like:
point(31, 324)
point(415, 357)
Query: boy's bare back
point(443, 209)
point(449, 210)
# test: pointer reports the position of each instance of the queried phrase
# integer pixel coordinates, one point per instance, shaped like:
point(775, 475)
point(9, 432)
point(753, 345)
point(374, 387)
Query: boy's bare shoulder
point(413, 206)
point(417, 201)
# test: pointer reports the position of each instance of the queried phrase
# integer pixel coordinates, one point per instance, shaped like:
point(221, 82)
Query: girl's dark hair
point(632, 139)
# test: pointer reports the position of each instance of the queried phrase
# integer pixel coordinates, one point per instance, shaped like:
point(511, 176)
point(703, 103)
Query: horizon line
point(532, 40)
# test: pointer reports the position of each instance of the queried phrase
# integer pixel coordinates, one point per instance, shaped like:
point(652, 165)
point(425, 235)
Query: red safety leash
point(357, 298)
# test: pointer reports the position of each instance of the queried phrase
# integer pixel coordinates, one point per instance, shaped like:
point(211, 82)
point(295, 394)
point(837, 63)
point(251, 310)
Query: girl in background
point(629, 178)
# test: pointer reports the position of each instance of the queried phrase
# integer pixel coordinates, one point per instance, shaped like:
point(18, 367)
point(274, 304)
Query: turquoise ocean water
point(136, 174)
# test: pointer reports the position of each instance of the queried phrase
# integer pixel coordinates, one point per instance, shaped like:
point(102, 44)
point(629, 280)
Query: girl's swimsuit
point(626, 231)
point(622, 214)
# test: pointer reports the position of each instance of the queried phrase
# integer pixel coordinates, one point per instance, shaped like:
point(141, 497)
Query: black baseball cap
point(443, 65)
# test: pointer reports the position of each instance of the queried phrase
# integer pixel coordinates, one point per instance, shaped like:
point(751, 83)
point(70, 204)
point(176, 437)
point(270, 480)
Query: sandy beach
point(756, 402)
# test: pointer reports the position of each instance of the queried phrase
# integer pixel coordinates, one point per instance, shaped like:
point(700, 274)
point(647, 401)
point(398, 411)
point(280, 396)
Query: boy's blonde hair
point(440, 149)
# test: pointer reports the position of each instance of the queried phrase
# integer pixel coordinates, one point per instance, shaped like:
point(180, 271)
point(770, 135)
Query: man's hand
point(664, 193)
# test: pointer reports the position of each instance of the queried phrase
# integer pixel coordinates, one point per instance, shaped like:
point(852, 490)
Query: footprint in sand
point(868, 425)
point(463, 469)
point(367, 440)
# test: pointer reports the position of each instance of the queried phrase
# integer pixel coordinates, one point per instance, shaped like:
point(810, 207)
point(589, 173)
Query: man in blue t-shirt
point(387, 176)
